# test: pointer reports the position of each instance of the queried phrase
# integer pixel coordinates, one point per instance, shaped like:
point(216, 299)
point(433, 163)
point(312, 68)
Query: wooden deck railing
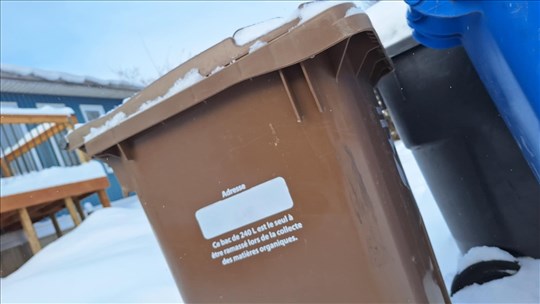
point(33, 142)
point(43, 133)
point(23, 133)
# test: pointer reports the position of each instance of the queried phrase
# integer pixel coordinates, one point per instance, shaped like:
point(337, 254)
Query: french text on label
point(262, 238)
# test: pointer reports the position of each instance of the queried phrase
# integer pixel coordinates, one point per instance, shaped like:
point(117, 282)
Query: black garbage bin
point(475, 170)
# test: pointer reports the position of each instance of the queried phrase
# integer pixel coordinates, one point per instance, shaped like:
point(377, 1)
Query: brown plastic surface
point(312, 122)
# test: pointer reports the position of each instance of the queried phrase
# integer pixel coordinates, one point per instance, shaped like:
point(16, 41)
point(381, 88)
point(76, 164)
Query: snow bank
point(111, 257)
point(389, 18)
point(43, 228)
point(46, 110)
point(522, 287)
point(50, 177)
point(484, 253)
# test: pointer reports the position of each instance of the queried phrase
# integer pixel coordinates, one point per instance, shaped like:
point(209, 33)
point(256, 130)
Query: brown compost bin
point(272, 179)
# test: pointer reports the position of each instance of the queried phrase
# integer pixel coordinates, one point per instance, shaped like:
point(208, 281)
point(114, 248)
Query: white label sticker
point(244, 208)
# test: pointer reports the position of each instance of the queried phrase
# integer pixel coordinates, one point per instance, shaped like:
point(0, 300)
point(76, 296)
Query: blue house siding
point(31, 101)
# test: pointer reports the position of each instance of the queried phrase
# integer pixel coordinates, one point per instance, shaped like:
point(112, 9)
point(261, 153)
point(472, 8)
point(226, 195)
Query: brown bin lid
point(219, 67)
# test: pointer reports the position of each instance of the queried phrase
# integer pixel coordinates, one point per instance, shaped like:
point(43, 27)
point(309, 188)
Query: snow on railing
point(44, 111)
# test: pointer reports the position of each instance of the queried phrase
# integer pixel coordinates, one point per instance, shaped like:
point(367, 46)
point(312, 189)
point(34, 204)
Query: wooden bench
point(21, 209)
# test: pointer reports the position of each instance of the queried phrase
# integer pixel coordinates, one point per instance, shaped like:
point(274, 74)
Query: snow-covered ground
point(523, 287)
point(114, 257)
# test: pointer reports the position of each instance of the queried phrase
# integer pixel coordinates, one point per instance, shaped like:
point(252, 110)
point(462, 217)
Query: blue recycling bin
point(502, 39)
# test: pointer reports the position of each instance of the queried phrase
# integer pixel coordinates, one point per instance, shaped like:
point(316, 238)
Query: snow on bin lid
point(253, 51)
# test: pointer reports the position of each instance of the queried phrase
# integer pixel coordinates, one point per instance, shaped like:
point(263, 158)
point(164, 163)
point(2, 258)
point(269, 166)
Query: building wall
point(30, 101)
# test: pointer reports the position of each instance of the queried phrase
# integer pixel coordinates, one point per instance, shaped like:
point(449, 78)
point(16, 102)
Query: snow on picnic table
point(51, 177)
point(46, 110)
point(113, 256)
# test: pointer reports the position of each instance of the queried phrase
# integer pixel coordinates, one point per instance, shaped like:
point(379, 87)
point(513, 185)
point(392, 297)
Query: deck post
point(104, 198)
point(29, 230)
point(80, 209)
point(83, 158)
point(125, 191)
point(5, 167)
point(57, 228)
point(70, 205)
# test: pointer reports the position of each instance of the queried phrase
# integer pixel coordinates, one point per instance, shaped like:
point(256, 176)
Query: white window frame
point(50, 104)
point(91, 107)
point(33, 152)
